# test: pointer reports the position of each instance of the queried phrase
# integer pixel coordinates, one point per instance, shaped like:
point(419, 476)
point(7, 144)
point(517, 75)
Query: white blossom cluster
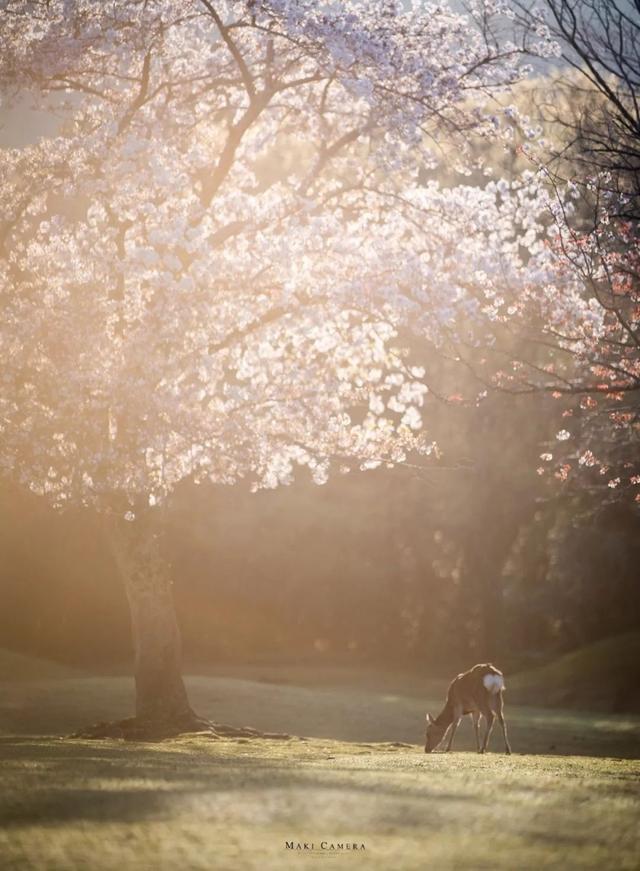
point(206, 274)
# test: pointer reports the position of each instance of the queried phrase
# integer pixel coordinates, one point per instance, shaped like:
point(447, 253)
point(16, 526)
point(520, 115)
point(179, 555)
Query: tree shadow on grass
point(72, 782)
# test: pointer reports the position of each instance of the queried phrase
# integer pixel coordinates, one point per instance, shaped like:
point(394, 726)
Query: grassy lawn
point(568, 797)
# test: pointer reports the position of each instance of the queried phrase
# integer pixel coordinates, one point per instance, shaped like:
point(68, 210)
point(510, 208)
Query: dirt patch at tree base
point(139, 729)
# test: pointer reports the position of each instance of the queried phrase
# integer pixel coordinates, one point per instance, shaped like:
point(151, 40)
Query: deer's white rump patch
point(493, 682)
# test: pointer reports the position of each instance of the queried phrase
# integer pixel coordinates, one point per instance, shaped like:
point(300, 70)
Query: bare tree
point(600, 43)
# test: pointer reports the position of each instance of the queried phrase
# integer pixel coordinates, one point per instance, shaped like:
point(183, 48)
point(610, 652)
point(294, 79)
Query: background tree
point(183, 303)
point(601, 129)
point(595, 154)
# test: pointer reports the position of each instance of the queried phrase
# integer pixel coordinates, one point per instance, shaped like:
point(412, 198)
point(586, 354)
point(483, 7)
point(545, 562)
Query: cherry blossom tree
point(208, 272)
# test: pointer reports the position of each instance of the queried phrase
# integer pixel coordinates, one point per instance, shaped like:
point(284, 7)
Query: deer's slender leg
point(507, 746)
point(457, 716)
point(490, 718)
point(476, 727)
point(454, 726)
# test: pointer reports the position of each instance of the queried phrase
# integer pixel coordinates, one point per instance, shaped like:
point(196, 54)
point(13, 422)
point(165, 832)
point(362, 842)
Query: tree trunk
point(162, 705)
point(481, 592)
point(161, 696)
point(492, 610)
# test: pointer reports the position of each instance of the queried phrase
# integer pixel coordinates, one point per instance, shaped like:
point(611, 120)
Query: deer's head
point(434, 734)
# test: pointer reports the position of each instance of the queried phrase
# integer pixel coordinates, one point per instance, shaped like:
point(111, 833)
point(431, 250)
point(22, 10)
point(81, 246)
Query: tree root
point(140, 729)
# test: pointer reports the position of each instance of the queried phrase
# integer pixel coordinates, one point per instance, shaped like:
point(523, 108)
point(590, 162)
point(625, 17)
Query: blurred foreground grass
point(202, 804)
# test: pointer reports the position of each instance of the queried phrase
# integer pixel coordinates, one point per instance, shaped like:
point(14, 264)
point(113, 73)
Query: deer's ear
point(429, 719)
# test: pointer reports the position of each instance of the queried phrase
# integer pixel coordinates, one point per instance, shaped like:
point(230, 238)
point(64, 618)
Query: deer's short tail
point(494, 683)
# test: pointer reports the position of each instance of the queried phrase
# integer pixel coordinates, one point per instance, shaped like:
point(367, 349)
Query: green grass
point(198, 804)
point(569, 797)
point(600, 676)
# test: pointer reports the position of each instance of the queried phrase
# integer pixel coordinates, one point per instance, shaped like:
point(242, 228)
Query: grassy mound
point(18, 667)
point(62, 707)
point(604, 676)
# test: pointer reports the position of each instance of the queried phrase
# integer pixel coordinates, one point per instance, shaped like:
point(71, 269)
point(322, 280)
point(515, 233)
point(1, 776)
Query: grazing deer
point(477, 692)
